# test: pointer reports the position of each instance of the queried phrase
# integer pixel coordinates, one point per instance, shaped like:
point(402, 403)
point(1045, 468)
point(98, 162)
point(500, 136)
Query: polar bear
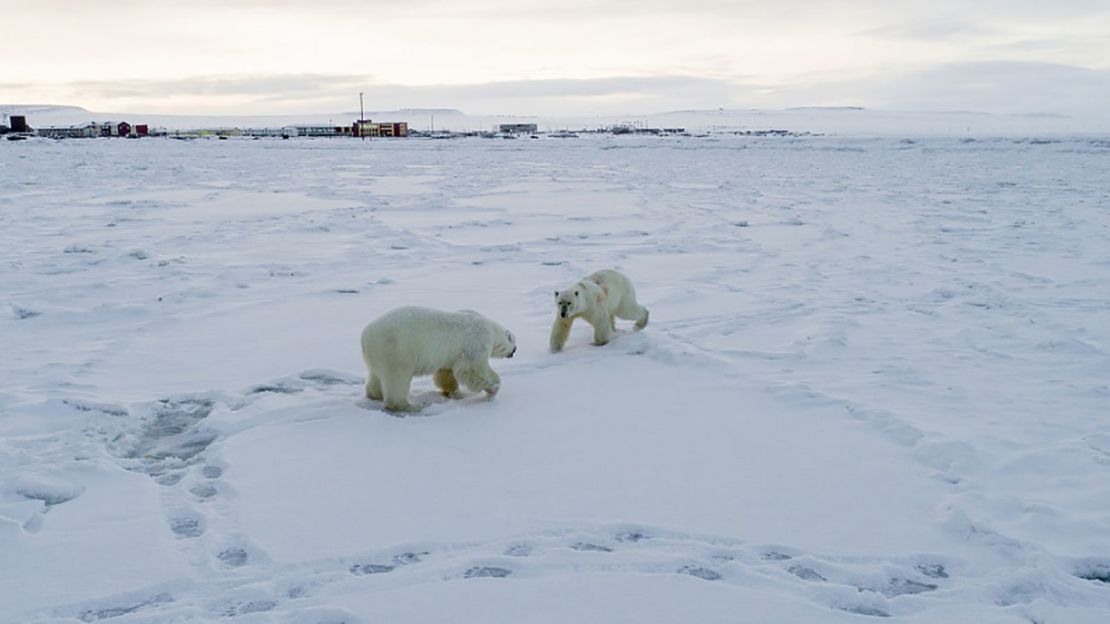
point(599, 298)
point(453, 346)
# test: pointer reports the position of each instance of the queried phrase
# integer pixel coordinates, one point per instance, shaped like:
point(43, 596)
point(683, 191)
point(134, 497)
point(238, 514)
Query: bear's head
point(571, 301)
point(504, 343)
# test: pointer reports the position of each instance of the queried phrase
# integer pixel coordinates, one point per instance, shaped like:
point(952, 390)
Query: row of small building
point(360, 128)
point(94, 130)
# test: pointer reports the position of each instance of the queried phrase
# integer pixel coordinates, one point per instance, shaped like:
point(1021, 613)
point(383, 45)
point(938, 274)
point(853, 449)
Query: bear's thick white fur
point(413, 341)
point(599, 299)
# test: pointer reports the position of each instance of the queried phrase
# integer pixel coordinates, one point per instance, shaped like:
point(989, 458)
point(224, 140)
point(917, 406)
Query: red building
point(142, 130)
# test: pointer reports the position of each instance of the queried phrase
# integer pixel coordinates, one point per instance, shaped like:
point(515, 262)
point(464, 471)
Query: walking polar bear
point(599, 298)
point(453, 346)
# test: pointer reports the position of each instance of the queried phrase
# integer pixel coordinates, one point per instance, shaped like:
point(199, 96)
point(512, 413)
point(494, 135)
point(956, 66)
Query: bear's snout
point(511, 353)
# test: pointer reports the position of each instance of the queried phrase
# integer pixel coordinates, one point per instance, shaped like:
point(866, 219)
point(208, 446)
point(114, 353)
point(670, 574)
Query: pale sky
point(572, 57)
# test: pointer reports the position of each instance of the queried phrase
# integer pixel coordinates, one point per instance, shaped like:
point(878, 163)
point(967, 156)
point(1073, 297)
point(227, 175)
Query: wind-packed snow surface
point(875, 382)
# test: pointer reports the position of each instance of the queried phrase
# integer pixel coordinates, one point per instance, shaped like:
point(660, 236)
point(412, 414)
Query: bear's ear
point(556, 294)
point(576, 293)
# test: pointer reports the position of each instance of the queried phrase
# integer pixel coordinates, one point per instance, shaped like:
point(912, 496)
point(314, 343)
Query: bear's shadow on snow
point(622, 342)
point(431, 403)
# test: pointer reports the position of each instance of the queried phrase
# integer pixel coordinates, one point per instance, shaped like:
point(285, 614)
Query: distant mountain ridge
point(28, 109)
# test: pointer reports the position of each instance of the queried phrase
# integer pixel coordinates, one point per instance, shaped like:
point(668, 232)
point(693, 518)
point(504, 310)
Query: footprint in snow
point(364, 569)
point(48, 490)
point(402, 559)
point(407, 558)
point(187, 526)
point(774, 556)
point(486, 572)
point(806, 574)
point(234, 557)
point(904, 586)
point(252, 606)
point(865, 610)
point(168, 478)
point(587, 547)
point(93, 615)
point(203, 490)
point(700, 572)
point(932, 570)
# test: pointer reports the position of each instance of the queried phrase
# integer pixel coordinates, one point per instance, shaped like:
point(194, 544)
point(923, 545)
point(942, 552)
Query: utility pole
point(361, 117)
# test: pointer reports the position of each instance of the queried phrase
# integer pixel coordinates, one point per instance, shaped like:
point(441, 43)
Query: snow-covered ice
point(875, 382)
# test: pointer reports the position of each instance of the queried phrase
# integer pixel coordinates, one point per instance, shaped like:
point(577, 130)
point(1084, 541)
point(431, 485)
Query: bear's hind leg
point(395, 391)
point(629, 310)
point(446, 382)
point(373, 387)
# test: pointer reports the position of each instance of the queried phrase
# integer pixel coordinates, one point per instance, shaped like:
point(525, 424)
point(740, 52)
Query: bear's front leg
point(479, 377)
point(603, 329)
point(560, 331)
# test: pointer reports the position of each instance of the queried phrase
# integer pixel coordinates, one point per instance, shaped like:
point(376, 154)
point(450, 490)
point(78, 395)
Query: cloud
point(932, 29)
point(330, 92)
point(1006, 87)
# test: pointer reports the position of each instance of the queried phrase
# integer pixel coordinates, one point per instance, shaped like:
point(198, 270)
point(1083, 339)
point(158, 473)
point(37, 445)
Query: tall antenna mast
point(361, 117)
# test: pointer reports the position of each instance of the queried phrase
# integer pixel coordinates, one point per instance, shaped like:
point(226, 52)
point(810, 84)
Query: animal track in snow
point(932, 570)
point(93, 615)
point(487, 572)
point(203, 490)
point(587, 547)
point(233, 557)
point(903, 586)
point(705, 574)
point(252, 606)
point(187, 526)
point(806, 574)
point(363, 569)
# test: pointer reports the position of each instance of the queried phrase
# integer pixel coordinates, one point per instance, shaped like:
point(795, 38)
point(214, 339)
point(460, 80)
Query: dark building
point(367, 128)
point(518, 128)
point(123, 129)
point(19, 124)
